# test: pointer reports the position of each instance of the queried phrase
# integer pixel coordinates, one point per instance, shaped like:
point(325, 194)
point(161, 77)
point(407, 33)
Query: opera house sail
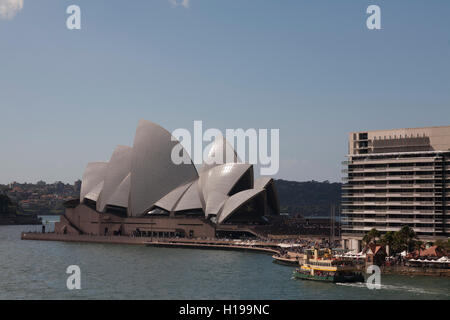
point(141, 191)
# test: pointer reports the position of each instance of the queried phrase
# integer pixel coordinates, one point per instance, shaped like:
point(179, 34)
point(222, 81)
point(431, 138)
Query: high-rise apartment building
point(396, 178)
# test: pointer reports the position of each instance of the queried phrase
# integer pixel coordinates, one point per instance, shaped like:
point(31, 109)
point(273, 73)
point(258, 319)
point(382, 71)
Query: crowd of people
point(296, 226)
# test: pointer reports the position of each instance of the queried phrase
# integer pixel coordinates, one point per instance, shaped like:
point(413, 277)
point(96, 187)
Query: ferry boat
point(320, 265)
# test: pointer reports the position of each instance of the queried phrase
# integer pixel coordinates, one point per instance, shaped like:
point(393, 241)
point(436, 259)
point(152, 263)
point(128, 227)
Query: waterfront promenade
point(256, 246)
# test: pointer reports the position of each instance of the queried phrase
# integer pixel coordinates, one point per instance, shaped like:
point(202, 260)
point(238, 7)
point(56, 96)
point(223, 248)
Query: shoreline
point(209, 246)
point(148, 241)
point(257, 247)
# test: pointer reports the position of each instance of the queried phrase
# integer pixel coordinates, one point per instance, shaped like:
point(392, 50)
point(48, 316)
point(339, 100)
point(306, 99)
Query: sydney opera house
point(142, 192)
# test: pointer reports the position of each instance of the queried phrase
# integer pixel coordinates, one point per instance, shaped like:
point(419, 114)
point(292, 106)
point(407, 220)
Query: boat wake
point(390, 287)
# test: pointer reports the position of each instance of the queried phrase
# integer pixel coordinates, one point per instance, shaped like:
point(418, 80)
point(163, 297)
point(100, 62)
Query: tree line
point(404, 239)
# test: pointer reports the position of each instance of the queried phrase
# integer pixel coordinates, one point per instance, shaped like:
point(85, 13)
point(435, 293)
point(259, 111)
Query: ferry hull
point(338, 278)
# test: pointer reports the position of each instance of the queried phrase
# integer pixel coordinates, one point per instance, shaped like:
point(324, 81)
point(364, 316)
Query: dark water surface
point(37, 270)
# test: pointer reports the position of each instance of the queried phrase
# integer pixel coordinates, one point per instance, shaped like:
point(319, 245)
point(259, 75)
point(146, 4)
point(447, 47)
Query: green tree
point(405, 239)
point(388, 240)
point(371, 236)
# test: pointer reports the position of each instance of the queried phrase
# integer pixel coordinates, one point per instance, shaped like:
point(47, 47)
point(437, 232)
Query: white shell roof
point(92, 176)
point(169, 201)
point(95, 192)
point(191, 199)
point(121, 194)
point(214, 203)
point(221, 152)
point(153, 173)
point(236, 201)
point(145, 176)
point(119, 166)
point(217, 182)
point(262, 182)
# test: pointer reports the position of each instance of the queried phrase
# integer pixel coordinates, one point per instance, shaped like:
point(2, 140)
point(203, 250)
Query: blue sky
point(310, 68)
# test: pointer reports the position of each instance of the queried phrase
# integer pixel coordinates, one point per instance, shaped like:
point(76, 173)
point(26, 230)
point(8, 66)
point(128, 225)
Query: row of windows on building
point(389, 216)
point(439, 156)
point(395, 173)
point(402, 207)
point(365, 136)
point(362, 232)
point(391, 190)
point(416, 224)
point(397, 165)
point(384, 199)
point(397, 182)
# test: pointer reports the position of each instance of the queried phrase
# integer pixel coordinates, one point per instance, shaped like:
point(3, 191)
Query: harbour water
point(37, 270)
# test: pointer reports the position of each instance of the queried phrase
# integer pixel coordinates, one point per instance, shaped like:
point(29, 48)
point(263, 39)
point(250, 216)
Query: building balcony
point(430, 176)
point(423, 229)
point(389, 211)
point(387, 169)
point(424, 168)
point(423, 220)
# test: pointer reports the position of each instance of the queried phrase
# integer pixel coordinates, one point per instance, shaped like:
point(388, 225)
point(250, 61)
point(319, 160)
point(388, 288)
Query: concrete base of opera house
point(83, 220)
